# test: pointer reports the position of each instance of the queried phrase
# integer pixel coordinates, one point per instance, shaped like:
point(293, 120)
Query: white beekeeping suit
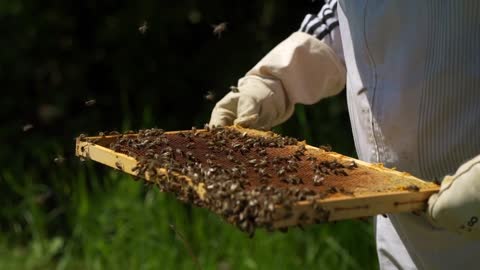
point(412, 71)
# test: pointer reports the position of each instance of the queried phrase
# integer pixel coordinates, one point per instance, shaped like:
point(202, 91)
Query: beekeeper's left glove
point(457, 206)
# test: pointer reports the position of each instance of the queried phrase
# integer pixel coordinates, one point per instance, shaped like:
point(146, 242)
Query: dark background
point(56, 55)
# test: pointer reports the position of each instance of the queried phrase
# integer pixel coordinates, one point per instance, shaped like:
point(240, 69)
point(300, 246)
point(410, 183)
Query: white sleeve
point(324, 26)
point(305, 68)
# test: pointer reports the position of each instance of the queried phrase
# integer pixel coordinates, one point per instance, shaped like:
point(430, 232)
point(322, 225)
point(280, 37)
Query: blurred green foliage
point(55, 55)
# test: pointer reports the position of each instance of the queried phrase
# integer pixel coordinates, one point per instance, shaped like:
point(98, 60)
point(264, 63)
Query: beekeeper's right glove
point(301, 69)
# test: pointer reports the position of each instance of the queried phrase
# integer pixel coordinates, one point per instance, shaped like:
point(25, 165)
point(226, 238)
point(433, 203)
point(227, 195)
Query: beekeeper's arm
point(304, 68)
point(457, 206)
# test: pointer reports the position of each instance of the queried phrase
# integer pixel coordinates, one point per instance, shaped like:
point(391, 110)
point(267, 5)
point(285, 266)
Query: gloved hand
point(259, 103)
point(457, 206)
point(301, 69)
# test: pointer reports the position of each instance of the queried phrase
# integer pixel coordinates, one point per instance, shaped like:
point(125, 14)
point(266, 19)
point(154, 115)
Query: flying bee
point(218, 29)
point(59, 159)
point(90, 102)
point(27, 127)
point(210, 96)
point(143, 28)
point(234, 89)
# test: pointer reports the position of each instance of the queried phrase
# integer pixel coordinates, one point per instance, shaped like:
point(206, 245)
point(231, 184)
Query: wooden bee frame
point(362, 203)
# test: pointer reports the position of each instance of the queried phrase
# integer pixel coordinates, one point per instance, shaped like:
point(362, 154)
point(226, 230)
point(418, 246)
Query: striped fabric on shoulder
point(323, 23)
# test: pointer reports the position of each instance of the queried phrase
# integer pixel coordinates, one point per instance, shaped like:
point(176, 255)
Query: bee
point(236, 146)
point(352, 165)
point(90, 102)
point(218, 29)
point(27, 127)
point(263, 173)
point(194, 129)
point(290, 168)
point(412, 188)
point(210, 96)
point(273, 144)
point(303, 217)
point(209, 162)
point(341, 172)
point(292, 179)
point(234, 89)
point(333, 190)
point(119, 165)
point(252, 161)
point(318, 180)
point(262, 163)
point(326, 148)
point(301, 148)
point(59, 159)
point(143, 28)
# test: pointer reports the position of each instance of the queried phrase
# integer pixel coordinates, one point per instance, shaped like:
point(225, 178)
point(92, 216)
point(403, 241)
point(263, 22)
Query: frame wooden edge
point(126, 163)
point(365, 205)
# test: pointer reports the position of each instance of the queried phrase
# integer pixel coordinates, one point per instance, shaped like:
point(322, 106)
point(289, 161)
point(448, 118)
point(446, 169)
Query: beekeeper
point(412, 73)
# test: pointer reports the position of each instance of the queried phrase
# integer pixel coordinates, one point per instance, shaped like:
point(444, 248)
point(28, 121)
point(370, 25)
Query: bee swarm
point(245, 176)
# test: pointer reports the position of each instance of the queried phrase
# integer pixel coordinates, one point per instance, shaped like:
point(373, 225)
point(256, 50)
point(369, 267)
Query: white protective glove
point(457, 206)
point(301, 69)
